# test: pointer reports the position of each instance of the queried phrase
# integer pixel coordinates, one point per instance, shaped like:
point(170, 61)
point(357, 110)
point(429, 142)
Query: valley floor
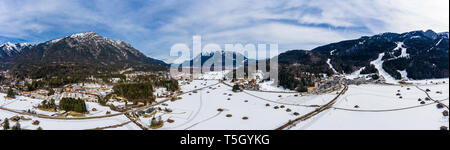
point(216, 107)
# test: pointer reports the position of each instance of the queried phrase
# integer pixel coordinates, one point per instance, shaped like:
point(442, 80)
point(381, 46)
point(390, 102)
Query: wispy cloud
point(153, 26)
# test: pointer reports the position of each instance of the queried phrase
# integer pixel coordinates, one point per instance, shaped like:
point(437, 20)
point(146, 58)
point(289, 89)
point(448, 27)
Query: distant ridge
point(9, 49)
point(218, 58)
point(82, 53)
point(416, 54)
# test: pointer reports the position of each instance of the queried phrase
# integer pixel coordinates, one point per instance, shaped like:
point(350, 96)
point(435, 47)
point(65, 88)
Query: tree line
point(72, 104)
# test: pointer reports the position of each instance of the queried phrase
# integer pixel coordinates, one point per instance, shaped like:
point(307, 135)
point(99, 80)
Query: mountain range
point(83, 53)
point(412, 55)
point(219, 57)
point(9, 49)
point(423, 55)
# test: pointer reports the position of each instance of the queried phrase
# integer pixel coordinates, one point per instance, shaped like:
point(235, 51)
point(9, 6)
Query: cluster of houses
point(37, 94)
point(251, 86)
point(148, 111)
point(84, 91)
point(87, 91)
point(136, 74)
point(4, 89)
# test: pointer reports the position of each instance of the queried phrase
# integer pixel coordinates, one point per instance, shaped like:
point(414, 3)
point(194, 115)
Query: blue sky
point(153, 26)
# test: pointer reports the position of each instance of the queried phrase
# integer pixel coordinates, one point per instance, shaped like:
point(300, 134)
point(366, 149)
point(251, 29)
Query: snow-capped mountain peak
point(84, 35)
point(78, 36)
point(8, 46)
point(9, 49)
point(91, 37)
point(24, 44)
point(443, 34)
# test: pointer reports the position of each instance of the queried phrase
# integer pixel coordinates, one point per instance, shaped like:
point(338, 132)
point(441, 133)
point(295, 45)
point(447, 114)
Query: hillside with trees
point(426, 54)
point(79, 54)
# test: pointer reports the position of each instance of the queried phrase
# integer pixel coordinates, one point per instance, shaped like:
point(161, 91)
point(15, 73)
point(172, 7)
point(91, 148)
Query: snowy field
point(430, 81)
point(196, 84)
point(306, 100)
point(382, 109)
point(379, 107)
point(268, 86)
point(199, 111)
point(53, 124)
point(25, 103)
point(212, 75)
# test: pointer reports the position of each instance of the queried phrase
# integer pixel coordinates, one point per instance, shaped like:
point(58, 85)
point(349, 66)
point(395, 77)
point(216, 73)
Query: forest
point(72, 104)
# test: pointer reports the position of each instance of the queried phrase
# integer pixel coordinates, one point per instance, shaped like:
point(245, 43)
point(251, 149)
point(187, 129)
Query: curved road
point(428, 95)
point(315, 112)
point(272, 101)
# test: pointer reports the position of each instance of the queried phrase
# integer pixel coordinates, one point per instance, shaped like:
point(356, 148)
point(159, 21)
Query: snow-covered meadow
point(216, 107)
point(379, 108)
point(199, 111)
point(55, 124)
point(22, 104)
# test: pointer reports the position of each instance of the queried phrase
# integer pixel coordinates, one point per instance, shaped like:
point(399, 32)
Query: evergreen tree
point(375, 77)
point(51, 92)
point(72, 104)
point(39, 128)
point(52, 103)
point(6, 124)
point(11, 93)
point(236, 88)
point(44, 104)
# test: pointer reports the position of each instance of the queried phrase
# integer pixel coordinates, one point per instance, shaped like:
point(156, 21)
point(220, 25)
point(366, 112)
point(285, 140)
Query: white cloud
point(154, 27)
point(250, 21)
point(383, 15)
point(277, 33)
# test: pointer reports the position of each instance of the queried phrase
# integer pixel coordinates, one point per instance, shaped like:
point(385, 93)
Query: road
point(304, 117)
point(315, 112)
point(112, 126)
point(388, 110)
point(134, 120)
point(276, 102)
point(428, 95)
point(268, 100)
